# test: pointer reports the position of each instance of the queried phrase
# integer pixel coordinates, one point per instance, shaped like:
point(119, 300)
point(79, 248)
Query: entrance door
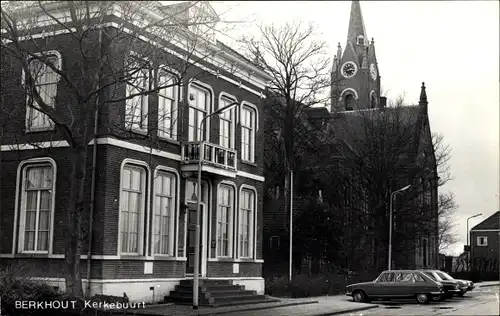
point(191, 236)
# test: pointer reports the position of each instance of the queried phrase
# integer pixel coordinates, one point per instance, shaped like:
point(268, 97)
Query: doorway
point(191, 237)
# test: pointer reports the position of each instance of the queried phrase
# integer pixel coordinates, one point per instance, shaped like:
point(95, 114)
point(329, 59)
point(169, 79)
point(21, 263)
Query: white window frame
point(230, 220)
point(485, 239)
point(253, 131)
point(22, 196)
point(131, 122)
point(173, 196)
point(170, 131)
point(47, 123)
point(195, 84)
point(228, 116)
point(143, 212)
point(251, 225)
point(360, 37)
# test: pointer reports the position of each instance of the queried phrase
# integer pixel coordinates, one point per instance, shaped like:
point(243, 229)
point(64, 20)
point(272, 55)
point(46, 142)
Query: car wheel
point(359, 296)
point(422, 298)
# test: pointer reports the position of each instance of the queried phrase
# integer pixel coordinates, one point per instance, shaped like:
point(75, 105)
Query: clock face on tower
point(349, 69)
point(373, 72)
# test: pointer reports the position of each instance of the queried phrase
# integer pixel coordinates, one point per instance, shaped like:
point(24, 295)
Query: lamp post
point(468, 253)
point(196, 277)
point(393, 194)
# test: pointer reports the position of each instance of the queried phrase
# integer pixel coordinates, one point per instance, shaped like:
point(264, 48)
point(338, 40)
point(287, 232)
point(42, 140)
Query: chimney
point(383, 102)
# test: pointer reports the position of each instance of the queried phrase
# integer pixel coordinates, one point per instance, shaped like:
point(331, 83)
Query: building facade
point(484, 241)
point(146, 162)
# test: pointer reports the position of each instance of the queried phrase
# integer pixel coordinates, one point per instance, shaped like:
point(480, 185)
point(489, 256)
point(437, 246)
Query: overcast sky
point(451, 45)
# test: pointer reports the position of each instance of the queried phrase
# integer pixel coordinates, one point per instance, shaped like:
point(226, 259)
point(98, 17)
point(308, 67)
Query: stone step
point(236, 298)
point(229, 293)
point(245, 302)
point(205, 281)
point(210, 287)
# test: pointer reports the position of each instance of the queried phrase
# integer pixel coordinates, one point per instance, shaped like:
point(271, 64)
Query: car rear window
point(430, 275)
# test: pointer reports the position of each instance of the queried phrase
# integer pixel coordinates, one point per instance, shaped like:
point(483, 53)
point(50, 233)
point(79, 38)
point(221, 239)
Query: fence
point(477, 269)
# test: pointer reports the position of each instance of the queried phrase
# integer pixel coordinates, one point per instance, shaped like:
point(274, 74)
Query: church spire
point(423, 95)
point(356, 24)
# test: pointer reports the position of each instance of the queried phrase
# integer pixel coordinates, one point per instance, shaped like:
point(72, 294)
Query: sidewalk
point(315, 306)
point(487, 283)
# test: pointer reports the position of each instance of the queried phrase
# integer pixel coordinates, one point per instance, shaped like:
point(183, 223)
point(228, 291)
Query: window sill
point(247, 162)
point(143, 132)
point(234, 260)
point(169, 140)
point(39, 129)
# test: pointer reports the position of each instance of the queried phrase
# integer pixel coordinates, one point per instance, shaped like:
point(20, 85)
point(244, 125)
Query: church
point(355, 77)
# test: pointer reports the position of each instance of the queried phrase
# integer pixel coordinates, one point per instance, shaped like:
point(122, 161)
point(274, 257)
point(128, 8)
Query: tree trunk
point(74, 242)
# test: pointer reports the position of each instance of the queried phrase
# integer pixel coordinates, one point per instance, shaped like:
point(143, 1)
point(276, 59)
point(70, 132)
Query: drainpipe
point(93, 181)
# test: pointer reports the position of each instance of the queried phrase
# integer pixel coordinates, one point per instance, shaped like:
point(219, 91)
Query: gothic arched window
point(373, 101)
point(349, 102)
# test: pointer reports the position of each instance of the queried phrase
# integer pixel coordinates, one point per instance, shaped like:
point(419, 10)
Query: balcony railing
point(211, 154)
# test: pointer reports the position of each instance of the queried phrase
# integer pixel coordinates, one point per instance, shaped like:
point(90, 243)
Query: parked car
point(451, 286)
point(394, 284)
point(466, 285)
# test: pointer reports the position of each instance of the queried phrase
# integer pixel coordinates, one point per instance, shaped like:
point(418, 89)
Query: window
point(348, 101)
point(136, 109)
point(248, 126)
point(386, 277)
point(482, 241)
point(199, 106)
point(373, 102)
point(167, 106)
point(226, 129)
point(361, 40)
point(247, 209)
point(419, 278)
point(37, 207)
point(45, 82)
point(132, 208)
point(404, 277)
point(164, 213)
point(224, 216)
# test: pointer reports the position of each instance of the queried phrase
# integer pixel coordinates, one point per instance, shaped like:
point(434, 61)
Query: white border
point(355, 69)
point(177, 98)
point(255, 129)
point(143, 244)
point(210, 90)
point(235, 118)
point(173, 242)
point(255, 212)
point(348, 89)
point(17, 199)
point(122, 144)
point(231, 222)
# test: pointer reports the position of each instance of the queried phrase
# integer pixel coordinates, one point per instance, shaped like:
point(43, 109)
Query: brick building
point(145, 187)
point(484, 241)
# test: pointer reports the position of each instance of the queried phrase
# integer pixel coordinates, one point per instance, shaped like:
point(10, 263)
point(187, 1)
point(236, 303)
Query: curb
point(345, 311)
point(489, 285)
point(257, 308)
point(214, 312)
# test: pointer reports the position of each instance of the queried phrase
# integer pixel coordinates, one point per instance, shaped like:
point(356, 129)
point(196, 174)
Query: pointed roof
point(423, 95)
point(492, 222)
point(356, 23)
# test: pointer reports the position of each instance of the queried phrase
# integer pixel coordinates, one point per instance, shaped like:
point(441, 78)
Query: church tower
point(355, 78)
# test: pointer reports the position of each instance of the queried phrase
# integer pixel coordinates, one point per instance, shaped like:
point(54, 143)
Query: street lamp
point(468, 253)
point(393, 194)
point(196, 277)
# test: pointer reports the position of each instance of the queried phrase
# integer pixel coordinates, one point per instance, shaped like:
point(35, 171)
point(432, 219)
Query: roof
point(492, 222)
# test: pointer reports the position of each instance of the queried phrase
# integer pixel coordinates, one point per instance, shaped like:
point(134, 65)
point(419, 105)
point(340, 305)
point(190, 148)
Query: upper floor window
point(199, 107)
point(167, 105)
point(349, 102)
point(37, 207)
point(482, 241)
point(45, 81)
point(132, 208)
point(226, 129)
point(225, 208)
point(361, 40)
point(248, 127)
point(164, 213)
point(137, 89)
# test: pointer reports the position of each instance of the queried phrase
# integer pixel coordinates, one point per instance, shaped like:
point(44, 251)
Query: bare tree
point(298, 66)
point(111, 63)
point(446, 212)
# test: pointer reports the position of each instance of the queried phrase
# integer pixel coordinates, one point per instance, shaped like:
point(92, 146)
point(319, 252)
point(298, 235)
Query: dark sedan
point(451, 286)
point(397, 284)
point(465, 285)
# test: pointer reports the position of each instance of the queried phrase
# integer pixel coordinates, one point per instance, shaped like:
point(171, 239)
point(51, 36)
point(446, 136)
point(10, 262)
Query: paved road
point(482, 301)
